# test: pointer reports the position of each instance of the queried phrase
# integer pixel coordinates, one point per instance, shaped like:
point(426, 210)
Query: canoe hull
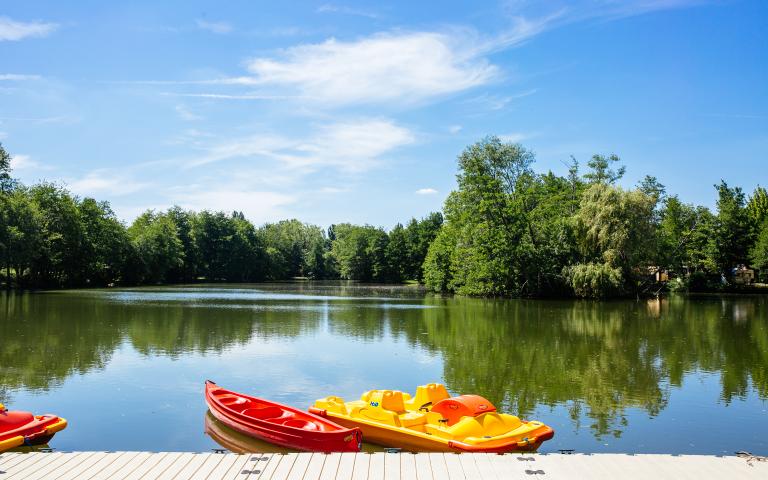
point(325, 435)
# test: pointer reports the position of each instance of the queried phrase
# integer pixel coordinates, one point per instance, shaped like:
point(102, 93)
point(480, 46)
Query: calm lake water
point(126, 366)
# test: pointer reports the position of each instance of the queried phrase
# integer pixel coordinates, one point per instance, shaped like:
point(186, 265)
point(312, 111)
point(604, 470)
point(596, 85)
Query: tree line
point(510, 231)
point(507, 231)
point(50, 238)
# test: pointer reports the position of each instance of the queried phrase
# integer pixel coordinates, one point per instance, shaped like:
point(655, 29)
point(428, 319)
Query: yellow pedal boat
point(432, 420)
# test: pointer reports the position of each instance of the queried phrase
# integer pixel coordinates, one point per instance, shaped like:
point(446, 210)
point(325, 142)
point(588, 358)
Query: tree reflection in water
point(598, 359)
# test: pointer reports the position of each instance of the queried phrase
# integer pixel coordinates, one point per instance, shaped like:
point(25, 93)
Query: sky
point(356, 111)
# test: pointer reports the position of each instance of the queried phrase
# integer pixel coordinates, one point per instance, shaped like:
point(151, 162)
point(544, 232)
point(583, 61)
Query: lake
point(126, 366)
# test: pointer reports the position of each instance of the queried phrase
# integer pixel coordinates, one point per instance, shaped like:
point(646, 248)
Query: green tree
point(419, 235)
point(732, 232)
point(159, 250)
point(295, 249)
point(106, 243)
point(758, 254)
point(62, 249)
point(361, 253)
point(20, 233)
point(600, 170)
point(483, 215)
point(6, 182)
point(190, 268)
point(616, 228)
point(757, 207)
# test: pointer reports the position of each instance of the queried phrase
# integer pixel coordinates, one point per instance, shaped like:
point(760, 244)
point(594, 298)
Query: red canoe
point(279, 424)
point(23, 428)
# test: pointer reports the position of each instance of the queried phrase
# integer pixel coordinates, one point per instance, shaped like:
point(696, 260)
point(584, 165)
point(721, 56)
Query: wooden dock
point(364, 466)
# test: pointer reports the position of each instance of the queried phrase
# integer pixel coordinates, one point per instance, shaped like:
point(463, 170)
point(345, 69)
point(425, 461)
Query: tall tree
point(732, 235)
point(156, 240)
point(600, 170)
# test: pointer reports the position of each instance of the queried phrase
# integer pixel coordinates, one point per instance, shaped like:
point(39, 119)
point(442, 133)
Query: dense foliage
point(508, 231)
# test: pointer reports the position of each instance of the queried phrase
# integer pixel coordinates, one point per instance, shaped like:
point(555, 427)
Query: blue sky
point(356, 111)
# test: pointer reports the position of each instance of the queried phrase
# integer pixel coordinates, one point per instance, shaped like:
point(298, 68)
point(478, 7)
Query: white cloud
point(14, 77)
point(454, 129)
point(381, 68)
point(12, 30)
point(258, 206)
point(23, 162)
point(102, 181)
point(426, 191)
point(330, 8)
point(216, 27)
point(185, 114)
point(352, 146)
point(225, 96)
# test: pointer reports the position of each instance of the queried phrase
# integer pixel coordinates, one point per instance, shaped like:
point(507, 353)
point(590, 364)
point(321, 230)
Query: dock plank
point(187, 467)
point(284, 467)
point(455, 470)
point(210, 462)
point(30, 468)
point(393, 465)
point(362, 462)
point(423, 467)
point(299, 467)
point(144, 467)
point(331, 467)
point(346, 466)
point(17, 462)
point(8, 456)
point(120, 465)
point(439, 468)
point(484, 466)
point(226, 463)
point(262, 466)
point(103, 462)
point(376, 467)
point(315, 466)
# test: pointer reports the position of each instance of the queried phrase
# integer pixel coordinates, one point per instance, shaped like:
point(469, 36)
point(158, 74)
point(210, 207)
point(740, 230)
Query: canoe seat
point(298, 423)
point(230, 400)
point(262, 413)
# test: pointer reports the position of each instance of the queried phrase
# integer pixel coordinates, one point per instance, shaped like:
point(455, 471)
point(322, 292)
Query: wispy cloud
point(15, 77)
point(185, 114)
point(563, 12)
point(351, 146)
point(227, 96)
point(220, 28)
point(12, 30)
point(23, 162)
point(104, 181)
point(330, 8)
point(62, 119)
point(454, 129)
point(426, 191)
point(381, 68)
point(258, 206)
point(498, 102)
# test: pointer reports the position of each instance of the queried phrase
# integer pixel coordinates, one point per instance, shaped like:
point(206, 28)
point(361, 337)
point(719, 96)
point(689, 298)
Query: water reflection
point(597, 360)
